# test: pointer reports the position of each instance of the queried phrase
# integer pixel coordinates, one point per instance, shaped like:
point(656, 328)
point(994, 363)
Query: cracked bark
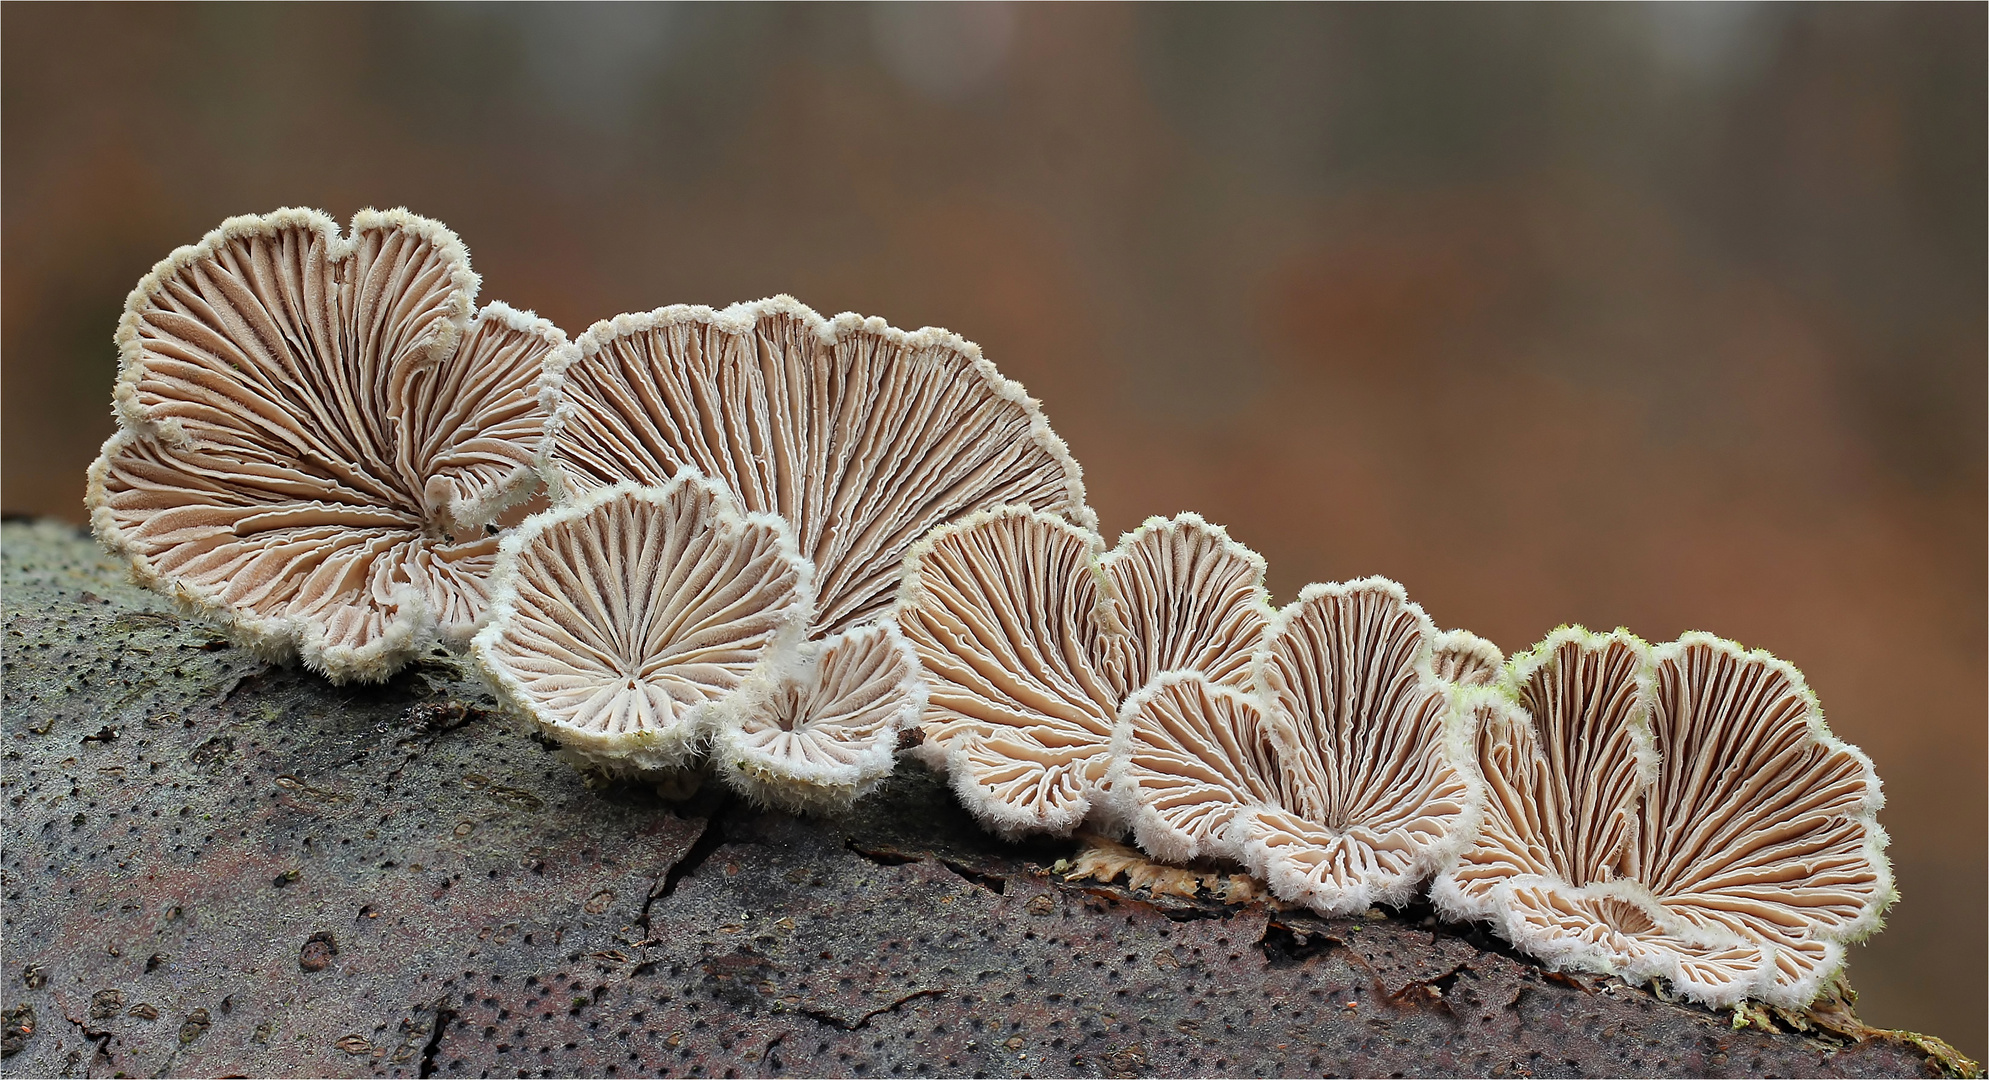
point(443, 1017)
point(864, 1021)
point(185, 820)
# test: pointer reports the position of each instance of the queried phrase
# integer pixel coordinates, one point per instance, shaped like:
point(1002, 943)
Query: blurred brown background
point(1668, 317)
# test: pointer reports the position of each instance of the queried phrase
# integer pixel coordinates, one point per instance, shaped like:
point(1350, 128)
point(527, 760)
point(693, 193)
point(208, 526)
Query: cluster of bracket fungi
point(779, 545)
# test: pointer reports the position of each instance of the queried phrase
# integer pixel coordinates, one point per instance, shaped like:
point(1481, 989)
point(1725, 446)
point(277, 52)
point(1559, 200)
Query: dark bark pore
point(271, 875)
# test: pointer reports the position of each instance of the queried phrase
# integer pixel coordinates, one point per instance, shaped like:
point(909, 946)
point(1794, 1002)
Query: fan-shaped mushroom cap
point(1198, 759)
point(1466, 659)
point(820, 731)
point(1031, 640)
point(863, 437)
point(314, 431)
point(1337, 781)
point(616, 621)
point(1680, 812)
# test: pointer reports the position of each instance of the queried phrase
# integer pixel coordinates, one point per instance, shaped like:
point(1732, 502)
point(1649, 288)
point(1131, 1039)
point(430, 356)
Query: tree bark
point(216, 866)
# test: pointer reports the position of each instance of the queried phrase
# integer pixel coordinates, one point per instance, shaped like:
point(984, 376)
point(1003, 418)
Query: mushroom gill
point(314, 431)
point(1032, 639)
point(1464, 658)
point(1336, 777)
point(1678, 812)
point(862, 438)
point(819, 732)
point(618, 622)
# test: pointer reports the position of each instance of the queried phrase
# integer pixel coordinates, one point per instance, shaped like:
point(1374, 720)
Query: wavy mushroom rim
point(1643, 740)
point(1876, 841)
point(454, 331)
point(1234, 834)
point(1500, 701)
point(1657, 958)
point(530, 479)
point(1668, 950)
point(1281, 623)
point(967, 753)
point(912, 592)
point(448, 246)
point(275, 639)
point(1150, 831)
point(1453, 750)
point(742, 317)
point(409, 621)
point(641, 752)
point(1465, 659)
point(1456, 725)
point(1122, 552)
point(465, 514)
point(825, 788)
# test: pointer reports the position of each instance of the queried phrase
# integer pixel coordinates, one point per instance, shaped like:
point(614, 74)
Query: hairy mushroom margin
point(1679, 812)
point(315, 431)
point(862, 438)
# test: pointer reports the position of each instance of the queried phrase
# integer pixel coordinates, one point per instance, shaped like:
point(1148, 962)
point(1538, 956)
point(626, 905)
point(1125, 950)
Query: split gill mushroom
point(315, 431)
point(779, 541)
point(1338, 776)
point(1678, 812)
point(1464, 658)
point(862, 438)
point(1033, 637)
point(619, 621)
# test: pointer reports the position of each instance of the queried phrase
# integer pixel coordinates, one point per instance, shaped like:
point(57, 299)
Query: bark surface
point(216, 867)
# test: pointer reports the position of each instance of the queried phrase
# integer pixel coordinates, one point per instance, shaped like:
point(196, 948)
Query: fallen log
point(214, 866)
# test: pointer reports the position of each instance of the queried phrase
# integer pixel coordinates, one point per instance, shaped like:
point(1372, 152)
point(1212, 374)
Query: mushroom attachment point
point(619, 622)
point(1033, 638)
point(1336, 778)
point(1679, 812)
point(314, 431)
point(862, 438)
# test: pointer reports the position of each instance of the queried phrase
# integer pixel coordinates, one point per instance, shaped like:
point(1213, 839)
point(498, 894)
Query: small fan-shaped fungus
point(1337, 780)
point(618, 621)
point(315, 430)
point(1032, 639)
point(862, 438)
point(819, 732)
point(1679, 812)
point(1466, 659)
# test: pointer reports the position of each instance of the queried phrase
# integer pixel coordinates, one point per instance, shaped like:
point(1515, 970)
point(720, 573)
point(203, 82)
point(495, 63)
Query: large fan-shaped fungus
point(1679, 812)
point(617, 622)
point(1338, 780)
point(1032, 638)
point(314, 431)
point(862, 438)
